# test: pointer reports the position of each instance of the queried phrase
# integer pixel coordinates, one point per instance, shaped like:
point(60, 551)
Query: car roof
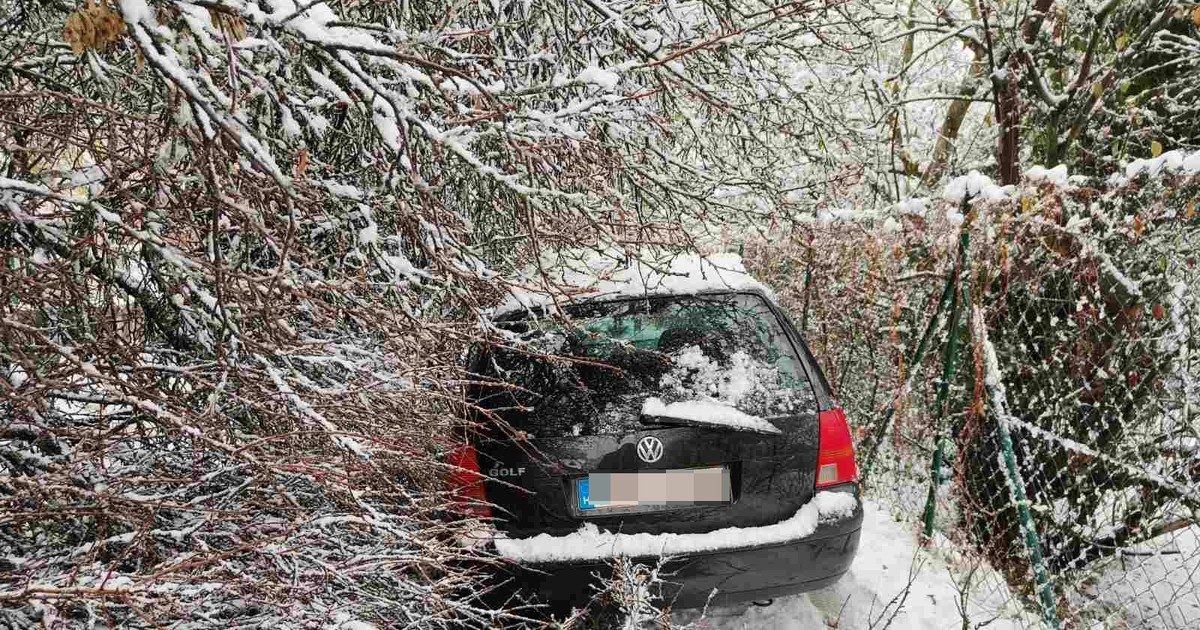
point(539, 309)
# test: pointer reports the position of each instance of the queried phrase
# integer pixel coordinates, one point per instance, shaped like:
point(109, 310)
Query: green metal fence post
point(914, 368)
point(1016, 484)
point(949, 367)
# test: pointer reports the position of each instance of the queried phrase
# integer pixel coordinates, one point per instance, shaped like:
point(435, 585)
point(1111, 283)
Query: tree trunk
point(1008, 115)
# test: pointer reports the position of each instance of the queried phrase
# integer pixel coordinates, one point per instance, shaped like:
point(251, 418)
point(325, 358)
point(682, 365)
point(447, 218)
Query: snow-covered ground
point(1151, 587)
point(872, 593)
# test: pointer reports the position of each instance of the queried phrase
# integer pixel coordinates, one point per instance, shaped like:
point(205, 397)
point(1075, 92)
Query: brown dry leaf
point(301, 163)
point(94, 26)
point(1060, 245)
point(1190, 212)
point(1196, 15)
point(77, 33)
point(113, 22)
point(1139, 225)
point(233, 26)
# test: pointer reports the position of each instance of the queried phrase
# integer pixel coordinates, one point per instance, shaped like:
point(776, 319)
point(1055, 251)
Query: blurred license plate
point(650, 490)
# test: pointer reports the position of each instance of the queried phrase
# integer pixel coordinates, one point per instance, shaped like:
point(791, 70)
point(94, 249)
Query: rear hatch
point(731, 395)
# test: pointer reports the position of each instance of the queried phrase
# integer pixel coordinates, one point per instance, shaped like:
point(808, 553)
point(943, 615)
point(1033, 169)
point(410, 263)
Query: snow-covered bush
point(245, 243)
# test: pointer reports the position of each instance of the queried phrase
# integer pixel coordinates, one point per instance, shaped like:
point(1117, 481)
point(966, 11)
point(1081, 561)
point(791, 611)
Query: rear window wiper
point(703, 413)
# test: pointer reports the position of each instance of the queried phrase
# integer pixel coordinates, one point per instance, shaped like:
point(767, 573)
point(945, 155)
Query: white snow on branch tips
point(595, 75)
point(319, 24)
point(307, 410)
point(974, 186)
point(23, 187)
point(915, 206)
point(610, 276)
point(1057, 175)
point(144, 28)
point(346, 621)
point(707, 412)
point(1169, 162)
point(590, 543)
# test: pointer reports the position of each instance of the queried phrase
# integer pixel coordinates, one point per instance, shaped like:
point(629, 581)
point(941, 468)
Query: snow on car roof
point(605, 275)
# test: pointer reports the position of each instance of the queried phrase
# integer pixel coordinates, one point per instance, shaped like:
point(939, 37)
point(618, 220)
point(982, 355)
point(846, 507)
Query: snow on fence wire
point(1022, 369)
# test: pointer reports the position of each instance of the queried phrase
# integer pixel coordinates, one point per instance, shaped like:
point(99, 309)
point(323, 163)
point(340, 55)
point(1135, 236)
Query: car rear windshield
point(592, 374)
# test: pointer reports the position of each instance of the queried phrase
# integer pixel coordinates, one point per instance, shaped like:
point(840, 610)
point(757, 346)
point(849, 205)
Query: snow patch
point(888, 558)
point(607, 276)
point(1149, 586)
point(346, 621)
point(17, 376)
point(973, 186)
point(1057, 175)
point(1169, 162)
point(707, 412)
point(591, 543)
point(595, 75)
point(743, 382)
point(343, 190)
point(1191, 164)
point(459, 85)
point(915, 206)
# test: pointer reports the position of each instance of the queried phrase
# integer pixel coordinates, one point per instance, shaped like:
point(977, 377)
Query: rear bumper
point(738, 574)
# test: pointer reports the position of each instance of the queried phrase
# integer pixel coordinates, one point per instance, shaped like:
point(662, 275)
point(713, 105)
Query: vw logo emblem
point(650, 449)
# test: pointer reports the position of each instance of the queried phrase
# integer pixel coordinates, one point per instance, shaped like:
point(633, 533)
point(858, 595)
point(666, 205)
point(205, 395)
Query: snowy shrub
point(245, 244)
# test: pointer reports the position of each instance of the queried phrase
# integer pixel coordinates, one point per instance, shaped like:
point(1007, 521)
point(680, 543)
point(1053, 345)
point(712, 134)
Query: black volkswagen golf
point(691, 426)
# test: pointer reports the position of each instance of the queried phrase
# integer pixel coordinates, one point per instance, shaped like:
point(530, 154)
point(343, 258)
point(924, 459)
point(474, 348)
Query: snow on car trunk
point(591, 543)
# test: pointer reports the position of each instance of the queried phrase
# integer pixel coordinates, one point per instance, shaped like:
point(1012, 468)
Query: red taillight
point(466, 483)
point(835, 460)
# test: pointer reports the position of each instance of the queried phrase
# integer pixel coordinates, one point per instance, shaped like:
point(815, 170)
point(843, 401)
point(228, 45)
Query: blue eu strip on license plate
point(581, 491)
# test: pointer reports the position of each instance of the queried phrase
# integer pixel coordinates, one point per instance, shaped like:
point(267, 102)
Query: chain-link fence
point(1023, 374)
